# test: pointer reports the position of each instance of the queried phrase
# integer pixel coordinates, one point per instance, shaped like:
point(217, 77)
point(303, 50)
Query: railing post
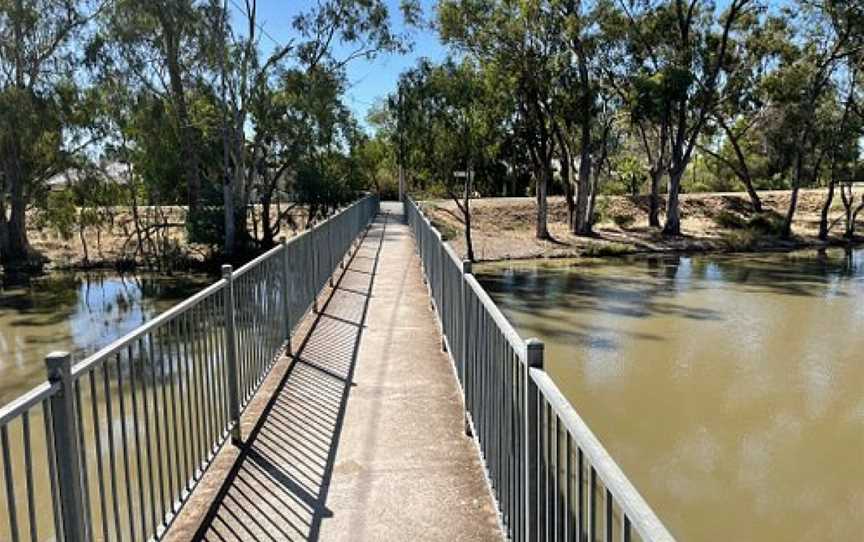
point(466, 337)
point(315, 255)
point(68, 456)
point(331, 257)
point(231, 351)
point(534, 503)
point(286, 295)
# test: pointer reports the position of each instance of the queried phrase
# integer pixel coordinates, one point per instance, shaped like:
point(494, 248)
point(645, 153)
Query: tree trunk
point(15, 250)
point(566, 175)
point(542, 204)
point(673, 216)
point(654, 198)
point(826, 208)
point(786, 232)
point(583, 190)
point(188, 137)
point(469, 243)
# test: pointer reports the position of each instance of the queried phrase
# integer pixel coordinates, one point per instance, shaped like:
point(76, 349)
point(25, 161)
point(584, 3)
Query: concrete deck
point(359, 436)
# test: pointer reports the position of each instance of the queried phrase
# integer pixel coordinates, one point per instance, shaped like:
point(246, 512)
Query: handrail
point(130, 429)
point(641, 516)
point(515, 413)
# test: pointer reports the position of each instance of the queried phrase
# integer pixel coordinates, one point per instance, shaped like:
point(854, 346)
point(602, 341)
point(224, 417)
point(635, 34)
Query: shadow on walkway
point(277, 489)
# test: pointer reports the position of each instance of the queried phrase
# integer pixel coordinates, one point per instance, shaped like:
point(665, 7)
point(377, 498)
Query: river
point(730, 389)
point(77, 312)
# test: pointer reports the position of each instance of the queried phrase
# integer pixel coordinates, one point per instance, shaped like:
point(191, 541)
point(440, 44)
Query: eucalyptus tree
point(802, 89)
point(735, 124)
point(327, 38)
point(452, 130)
point(41, 114)
point(681, 56)
point(520, 45)
point(161, 47)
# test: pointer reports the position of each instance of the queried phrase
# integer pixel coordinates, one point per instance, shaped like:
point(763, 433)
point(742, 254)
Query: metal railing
point(550, 475)
point(111, 448)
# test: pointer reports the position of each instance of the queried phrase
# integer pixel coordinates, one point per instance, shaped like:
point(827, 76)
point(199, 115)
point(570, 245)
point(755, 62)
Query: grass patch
point(767, 223)
point(742, 240)
point(729, 220)
point(448, 232)
point(599, 250)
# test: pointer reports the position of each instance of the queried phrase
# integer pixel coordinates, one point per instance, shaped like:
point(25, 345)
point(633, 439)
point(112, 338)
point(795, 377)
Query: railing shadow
point(277, 489)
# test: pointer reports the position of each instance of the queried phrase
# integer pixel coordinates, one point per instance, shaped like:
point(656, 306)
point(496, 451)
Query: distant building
point(111, 172)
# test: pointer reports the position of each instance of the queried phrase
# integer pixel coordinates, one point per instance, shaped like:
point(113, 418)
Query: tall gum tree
point(38, 91)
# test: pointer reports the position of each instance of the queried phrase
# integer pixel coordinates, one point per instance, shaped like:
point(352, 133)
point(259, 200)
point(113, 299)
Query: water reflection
point(78, 312)
point(727, 387)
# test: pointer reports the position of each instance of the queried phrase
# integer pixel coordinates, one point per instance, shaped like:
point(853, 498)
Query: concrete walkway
point(360, 435)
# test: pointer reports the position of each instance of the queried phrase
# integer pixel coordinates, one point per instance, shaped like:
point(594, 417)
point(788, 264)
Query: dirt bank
point(115, 242)
point(503, 228)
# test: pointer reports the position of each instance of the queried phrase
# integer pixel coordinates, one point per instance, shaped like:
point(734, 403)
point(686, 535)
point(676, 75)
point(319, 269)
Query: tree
point(519, 43)
point(801, 89)
point(38, 108)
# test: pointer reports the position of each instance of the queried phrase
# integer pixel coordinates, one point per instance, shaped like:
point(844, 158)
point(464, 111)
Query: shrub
point(598, 250)
point(742, 240)
point(767, 223)
point(729, 220)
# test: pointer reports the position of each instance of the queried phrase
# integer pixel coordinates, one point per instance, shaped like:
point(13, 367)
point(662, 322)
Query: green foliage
point(730, 220)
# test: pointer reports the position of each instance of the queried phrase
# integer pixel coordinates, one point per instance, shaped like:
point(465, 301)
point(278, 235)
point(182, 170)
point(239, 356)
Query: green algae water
point(730, 389)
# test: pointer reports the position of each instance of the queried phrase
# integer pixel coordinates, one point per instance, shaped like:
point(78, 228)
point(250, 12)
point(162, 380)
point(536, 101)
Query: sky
point(368, 80)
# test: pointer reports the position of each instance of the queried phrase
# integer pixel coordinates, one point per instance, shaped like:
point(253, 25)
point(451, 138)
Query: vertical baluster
point(82, 447)
point(112, 456)
point(125, 444)
point(592, 505)
point(177, 369)
point(581, 513)
point(625, 527)
point(28, 475)
point(139, 471)
point(148, 448)
point(100, 468)
point(48, 422)
point(11, 505)
point(608, 522)
point(156, 359)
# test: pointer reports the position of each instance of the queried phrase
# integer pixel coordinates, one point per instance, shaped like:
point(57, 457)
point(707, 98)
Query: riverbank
point(503, 228)
point(160, 237)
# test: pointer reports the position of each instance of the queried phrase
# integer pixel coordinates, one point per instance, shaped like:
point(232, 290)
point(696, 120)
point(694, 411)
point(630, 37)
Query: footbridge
point(353, 383)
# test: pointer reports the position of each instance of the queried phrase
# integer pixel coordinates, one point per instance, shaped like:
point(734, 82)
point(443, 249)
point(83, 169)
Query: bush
point(767, 223)
point(742, 240)
point(598, 250)
point(729, 220)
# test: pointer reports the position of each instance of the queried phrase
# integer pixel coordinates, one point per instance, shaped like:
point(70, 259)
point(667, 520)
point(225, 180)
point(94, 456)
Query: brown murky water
point(730, 389)
point(79, 313)
point(76, 312)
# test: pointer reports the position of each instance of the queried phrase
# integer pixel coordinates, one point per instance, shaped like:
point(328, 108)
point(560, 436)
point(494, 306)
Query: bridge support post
point(286, 295)
point(534, 500)
point(466, 338)
point(231, 355)
point(67, 454)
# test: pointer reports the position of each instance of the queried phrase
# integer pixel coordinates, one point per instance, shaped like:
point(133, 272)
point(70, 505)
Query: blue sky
point(369, 80)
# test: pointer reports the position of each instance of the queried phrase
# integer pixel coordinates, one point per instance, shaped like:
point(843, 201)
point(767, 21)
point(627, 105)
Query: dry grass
point(503, 228)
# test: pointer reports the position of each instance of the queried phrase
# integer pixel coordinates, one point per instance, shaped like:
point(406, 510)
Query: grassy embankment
point(503, 228)
point(115, 242)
